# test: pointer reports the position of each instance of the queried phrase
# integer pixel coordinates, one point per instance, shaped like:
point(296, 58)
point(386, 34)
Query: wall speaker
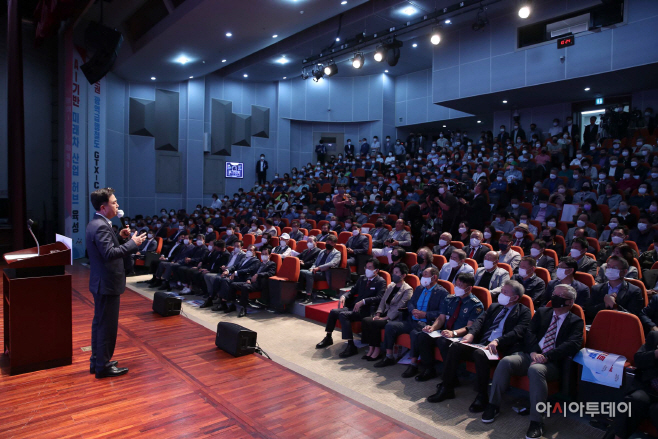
point(235, 339)
point(104, 43)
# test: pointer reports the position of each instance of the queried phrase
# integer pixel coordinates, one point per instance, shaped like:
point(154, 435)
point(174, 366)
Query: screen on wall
point(234, 170)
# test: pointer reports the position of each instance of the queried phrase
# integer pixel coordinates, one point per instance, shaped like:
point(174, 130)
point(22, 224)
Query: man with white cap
point(282, 249)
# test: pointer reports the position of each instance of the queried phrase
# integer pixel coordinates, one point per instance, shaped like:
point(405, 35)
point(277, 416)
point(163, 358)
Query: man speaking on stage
point(107, 280)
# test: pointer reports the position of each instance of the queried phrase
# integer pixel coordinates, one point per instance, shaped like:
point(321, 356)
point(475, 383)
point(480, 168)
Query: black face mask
point(558, 301)
point(379, 224)
point(502, 246)
point(395, 257)
point(329, 247)
point(396, 278)
point(324, 232)
point(420, 259)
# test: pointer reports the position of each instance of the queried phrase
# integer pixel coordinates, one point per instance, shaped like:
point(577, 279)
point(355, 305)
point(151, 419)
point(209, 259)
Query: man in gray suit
point(327, 259)
point(107, 279)
point(491, 276)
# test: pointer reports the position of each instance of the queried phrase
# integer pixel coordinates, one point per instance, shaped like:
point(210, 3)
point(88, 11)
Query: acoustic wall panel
point(168, 172)
point(260, 121)
point(241, 129)
point(213, 174)
point(142, 117)
point(221, 122)
point(166, 120)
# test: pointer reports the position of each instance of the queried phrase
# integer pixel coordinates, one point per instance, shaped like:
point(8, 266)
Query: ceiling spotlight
point(344, 2)
point(245, 75)
point(504, 102)
point(385, 71)
point(479, 121)
point(380, 54)
point(587, 89)
point(393, 52)
point(318, 73)
point(481, 20)
point(448, 21)
point(274, 36)
point(284, 77)
point(229, 34)
point(305, 74)
point(414, 45)
point(444, 126)
point(283, 60)
point(191, 77)
point(152, 78)
point(223, 60)
point(182, 59)
point(524, 9)
point(409, 10)
point(357, 61)
point(330, 69)
point(337, 38)
point(436, 37)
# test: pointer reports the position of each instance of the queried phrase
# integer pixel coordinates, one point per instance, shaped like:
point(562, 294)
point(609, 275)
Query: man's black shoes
point(349, 350)
point(112, 371)
point(426, 375)
point(442, 394)
point(386, 361)
point(92, 368)
point(326, 342)
point(412, 370)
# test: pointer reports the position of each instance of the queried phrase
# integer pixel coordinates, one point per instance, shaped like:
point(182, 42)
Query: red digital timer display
point(566, 42)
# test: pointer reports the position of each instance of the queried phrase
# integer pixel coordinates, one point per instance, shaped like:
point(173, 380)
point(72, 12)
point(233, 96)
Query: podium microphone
point(29, 227)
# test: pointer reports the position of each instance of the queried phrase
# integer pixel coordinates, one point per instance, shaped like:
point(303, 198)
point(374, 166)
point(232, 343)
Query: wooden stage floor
point(179, 385)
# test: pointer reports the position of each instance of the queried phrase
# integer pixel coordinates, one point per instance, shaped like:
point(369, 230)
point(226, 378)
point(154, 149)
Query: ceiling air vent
point(572, 25)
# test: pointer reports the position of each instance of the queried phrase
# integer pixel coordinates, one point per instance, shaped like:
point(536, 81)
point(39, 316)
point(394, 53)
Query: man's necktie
point(472, 253)
point(549, 338)
point(451, 320)
point(499, 318)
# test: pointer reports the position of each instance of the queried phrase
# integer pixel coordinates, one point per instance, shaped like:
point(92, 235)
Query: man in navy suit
point(107, 279)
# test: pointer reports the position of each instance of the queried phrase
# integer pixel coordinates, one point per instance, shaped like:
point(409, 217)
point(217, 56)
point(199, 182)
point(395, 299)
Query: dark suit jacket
point(629, 299)
point(646, 363)
point(534, 288)
point(244, 272)
point(448, 252)
point(547, 263)
point(501, 138)
point(517, 133)
point(568, 341)
point(106, 257)
point(589, 135)
point(308, 257)
point(479, 253)
point(516, 324)
point(587, 265)
point(258, 167)
point(161, 233)
point(148, 246)
point(263, 273)
point(619, 171)
point(296, 236)
point(438, 294)
point(358, 243)
point(649, 314)
point(197, 254)
point(371, 294)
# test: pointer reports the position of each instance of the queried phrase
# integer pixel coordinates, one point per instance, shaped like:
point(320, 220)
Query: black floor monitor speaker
point(166, 304)
point(235, 339)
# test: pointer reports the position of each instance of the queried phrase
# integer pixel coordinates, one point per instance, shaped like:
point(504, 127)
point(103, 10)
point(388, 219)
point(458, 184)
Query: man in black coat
point(537, 252)
point(554, 335)
point(243, 269)
point(475, 250)
point(534, 285)
point(501, 329)
point(354, 306)
point(192, 260)
point(616, 293)
point(261, 169)
point(257, 282)
point(356, 245)
point(590, 134)
point(643, 397)
point(477, 208)
point(308, 257)
point(107, 279)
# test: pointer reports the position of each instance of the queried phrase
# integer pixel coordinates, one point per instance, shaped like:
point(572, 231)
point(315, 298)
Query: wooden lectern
point(37, 309)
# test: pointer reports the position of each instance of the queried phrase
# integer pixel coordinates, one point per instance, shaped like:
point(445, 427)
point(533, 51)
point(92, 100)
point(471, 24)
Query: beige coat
point(399, 301)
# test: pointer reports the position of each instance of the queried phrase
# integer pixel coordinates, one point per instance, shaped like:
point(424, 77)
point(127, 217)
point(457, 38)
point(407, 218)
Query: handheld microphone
point(30, 223)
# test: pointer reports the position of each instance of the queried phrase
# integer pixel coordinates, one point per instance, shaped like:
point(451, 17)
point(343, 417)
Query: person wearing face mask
point(554, 335)
point(581, 222)
point(501, 328)
point(521, 237)
point(503, 136)
point(398, 237)
point(364, 149)
point(643, 234)
point(564, 274)
point(501, 223)
point(321, 151)
point(578, 252)
point(149, 245)
point(349, 149)
point(456, 315)
point(591, 134)
point(614, 169)
point(649, 257)
point(491, 276)
point(168, 256)
point(507, 254)
point(456, 265)
point(616, 293)
point(396, 296)
point(261, 170)
point(283, 249)
point(475, 250)
point(174, 238)
point(320, 270)
point(643, 199)
point(296, 233)
point(543, 210)
point(241, 266)
point(258, 281)
point(537, 252)
point(517, 132)
point(357, 244)
point(423, 309)
point(308, 256)
point(618, 234)
point(166, 269)
point(424, 261)
point(209, 269)
point(515, 209)
point(161, 230)
point(444, 247)
point(354, 306)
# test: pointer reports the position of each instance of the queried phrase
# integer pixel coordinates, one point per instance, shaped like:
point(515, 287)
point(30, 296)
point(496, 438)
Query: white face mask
point(561, 273)
point(575, 253)
point(487, 235)
point(522, 272)
point(475, 242)
point(462, 230)
point(617, 239)
point(370, 273)
point(453, 263)
point(199, 243)
point(459, 292)
point(186, 241)
point(552, 224)
point(229, 232)
point(425, 281)
point(264, 258)
point(503, 299)
point(612, 273)
point(534, 252)
point(210, 247)
point(488, 264)
point(443, 242)
point(642, 226)
point(519, 235)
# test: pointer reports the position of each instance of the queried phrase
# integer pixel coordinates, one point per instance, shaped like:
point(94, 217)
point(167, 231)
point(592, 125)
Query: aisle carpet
point(290, 340)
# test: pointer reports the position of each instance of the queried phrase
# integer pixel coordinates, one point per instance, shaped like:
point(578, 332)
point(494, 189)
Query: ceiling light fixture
point(283, 60)
point(479, 121)
point(358, 60)
point(409, 10)
point(152, 78)
point(448, 21)
point(274, 36)
point(587, 89)
point(344, 2)
point(318, 73)
point(414, 45)
point(284, 77)
point(504, 102)
point(229, 34)
point(525, 8)
point(191, 77)
point(389, 51)
point(481, 20)
point(436, 37)
point(380, 53)
point(330, 69)
point(245, 75)
point(444, 126)
point(337, 38)
point(182, 59)
point(223, 60)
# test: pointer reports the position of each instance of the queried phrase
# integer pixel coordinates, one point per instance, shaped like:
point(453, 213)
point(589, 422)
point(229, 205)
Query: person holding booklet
point(500, 331)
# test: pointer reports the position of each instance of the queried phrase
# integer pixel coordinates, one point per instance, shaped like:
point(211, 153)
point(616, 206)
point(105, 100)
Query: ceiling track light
point(436, 36)
point(318, 72)
point(525, 8)
point(358, 60)
point(380, 53)
point(481, 20)
point(330, 69)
